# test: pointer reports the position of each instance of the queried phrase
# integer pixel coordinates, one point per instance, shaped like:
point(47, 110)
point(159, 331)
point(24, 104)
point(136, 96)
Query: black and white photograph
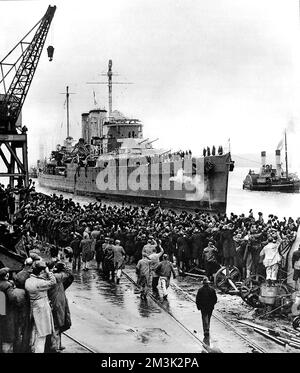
point(149, 180)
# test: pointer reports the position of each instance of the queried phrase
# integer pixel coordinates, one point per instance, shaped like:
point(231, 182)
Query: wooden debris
point(289, 342)
point(270, 337)
point(253, 325)
point(277, 335)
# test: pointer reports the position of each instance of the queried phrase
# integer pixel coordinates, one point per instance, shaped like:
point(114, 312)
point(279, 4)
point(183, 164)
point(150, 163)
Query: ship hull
point(214, 184)
point(283, 188)
point(281, 185)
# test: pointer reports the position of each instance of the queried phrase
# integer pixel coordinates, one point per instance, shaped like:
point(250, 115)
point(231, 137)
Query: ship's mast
point(286, 158)
point(68, 116)
point(110, 83)
point(109, 74)
point(67, 93)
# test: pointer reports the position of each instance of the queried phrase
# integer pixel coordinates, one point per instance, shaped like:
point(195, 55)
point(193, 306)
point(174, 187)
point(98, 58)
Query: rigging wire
point(246, 159)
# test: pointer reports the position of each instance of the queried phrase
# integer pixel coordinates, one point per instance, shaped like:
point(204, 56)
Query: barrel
point(296, 305)
point(268, 294)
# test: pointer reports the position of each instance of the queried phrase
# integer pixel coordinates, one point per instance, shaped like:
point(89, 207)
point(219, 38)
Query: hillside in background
point(246, 160)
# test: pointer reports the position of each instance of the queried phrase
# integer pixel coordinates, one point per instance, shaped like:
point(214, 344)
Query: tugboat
point(113, 160)
point(33, 172)
point(273, 179)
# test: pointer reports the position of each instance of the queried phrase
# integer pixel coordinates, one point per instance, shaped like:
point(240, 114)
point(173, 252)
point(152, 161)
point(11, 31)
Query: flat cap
point(3, 272)
point(34, 256)
point(60, 266)
point(28, 261)
point(39, 264)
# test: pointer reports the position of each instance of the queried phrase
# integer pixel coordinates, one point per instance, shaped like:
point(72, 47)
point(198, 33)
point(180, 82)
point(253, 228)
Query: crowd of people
point(36, 307)
point(188, 238)
point(153, 239)
point(11, 199)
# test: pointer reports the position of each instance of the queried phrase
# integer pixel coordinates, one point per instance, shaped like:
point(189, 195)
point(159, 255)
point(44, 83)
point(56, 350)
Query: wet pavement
point(108, 318)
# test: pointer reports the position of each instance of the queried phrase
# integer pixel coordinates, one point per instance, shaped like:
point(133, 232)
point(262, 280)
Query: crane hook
point(50, 51)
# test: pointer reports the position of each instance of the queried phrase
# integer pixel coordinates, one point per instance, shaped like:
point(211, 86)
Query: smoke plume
point(196, 181)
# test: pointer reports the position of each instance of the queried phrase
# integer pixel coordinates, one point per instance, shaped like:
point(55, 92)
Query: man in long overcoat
point(119, 259)
point(39, 282)
point(205, 301)
point(7, 322)
point(108, 262)
point(87, 252)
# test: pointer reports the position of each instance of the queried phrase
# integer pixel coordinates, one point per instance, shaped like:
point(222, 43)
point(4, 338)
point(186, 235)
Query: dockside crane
point(26, 55)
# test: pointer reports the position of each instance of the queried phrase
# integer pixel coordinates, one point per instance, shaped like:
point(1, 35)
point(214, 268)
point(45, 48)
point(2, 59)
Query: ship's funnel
point(263, 158)
point(278, 162)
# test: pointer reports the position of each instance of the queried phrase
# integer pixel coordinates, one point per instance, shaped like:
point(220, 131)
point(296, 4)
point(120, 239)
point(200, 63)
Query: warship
point(113, 160)
point(271, 178)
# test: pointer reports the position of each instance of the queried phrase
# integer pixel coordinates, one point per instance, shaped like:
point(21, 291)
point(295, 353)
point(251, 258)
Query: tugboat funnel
point(278, 162)
point(263, 158)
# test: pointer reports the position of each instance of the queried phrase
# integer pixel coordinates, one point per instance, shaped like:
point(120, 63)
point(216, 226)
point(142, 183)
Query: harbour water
point(239, 201)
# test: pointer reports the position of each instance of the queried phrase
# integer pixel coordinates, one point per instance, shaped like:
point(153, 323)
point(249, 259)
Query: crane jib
point(25, 66)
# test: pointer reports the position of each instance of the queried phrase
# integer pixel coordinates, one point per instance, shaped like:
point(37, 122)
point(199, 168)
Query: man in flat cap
point(143, 275)
point(108, 261)
point(39, 282)
point(119, 259)
point(60, 308)
point(24, 274)
point(75, 245)
point(205, 301)
point(7, 321)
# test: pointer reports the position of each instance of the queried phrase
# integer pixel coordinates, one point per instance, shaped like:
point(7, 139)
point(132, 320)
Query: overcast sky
point(203, 70)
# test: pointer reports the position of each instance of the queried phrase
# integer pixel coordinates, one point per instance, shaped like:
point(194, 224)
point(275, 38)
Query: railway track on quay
point(205, 348)
point(82, 345)
point(256, 348)
point(253, 345)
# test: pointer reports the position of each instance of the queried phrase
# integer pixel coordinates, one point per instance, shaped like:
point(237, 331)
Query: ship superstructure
point(112, 159)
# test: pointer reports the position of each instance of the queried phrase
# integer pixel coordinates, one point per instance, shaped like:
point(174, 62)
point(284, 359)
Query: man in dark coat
point(182, 252)
point(296, 267)
point(197, 246)
point(229, 248)
point(75, 245)
point(108, 262)
point(59, 304)
point(99, 250)
point(14, 327)
point(205, 301)
point(24, 274)
point(7, 322)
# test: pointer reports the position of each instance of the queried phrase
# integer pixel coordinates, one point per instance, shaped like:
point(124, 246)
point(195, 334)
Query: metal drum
point(268, 294)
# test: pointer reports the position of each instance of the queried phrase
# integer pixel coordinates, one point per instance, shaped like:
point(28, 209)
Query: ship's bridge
point(132, 148)
point(123, 128)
